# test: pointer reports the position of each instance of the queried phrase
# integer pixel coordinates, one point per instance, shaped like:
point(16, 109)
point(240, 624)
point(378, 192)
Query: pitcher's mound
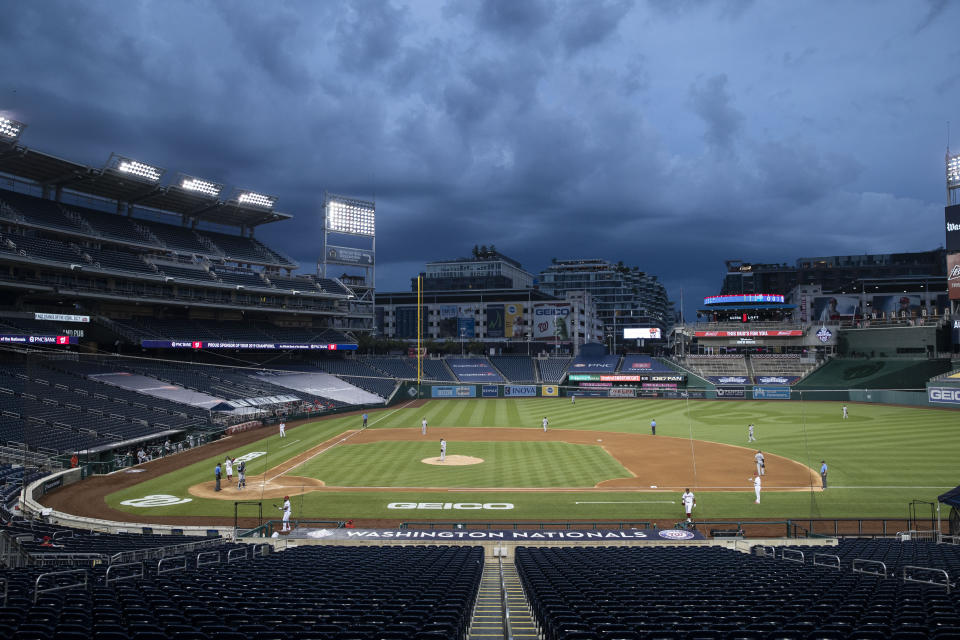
point(453, 461)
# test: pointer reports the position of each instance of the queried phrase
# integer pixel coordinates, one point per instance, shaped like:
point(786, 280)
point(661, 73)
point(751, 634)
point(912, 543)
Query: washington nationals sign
point(586, 535)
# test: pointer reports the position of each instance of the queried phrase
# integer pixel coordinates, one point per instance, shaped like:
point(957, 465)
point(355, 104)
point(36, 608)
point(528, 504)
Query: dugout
point(952, 498)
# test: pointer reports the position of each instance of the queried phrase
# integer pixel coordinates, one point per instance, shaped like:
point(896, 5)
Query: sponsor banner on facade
point(763, 380)
point(642, 333)
point(728, 379)
point(953, 276)
point(827, 309)
point(512, 317)
point(549, 391)
point(60, 317)
point(349, 255)
point(453, 391)
point(551, 321)
point(753, 333)
point(626, 377)
point(535, 535)
point(262, 346)
point(771, 393)
point(520, 391)
point(896, 305)
point(495, 321)
point(944, 395)
point(748, 298)
point(731, 392)
point(622, 392)
point(659, 385)
point(489, 391)
point(951, 216)
point(595, 384)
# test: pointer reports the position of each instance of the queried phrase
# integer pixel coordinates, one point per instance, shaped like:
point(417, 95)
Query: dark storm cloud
point(670, 135)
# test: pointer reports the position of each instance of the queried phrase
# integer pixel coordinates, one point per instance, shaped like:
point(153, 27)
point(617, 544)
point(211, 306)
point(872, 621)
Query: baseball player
point(689, 502)
point(845, 415)
point(364, 420)
point(423, 427)
point(653, 427)
point(286, 514)
point(242, 475)
point(283, 429)
point(573, 399)
point(761, 464)
point(750, 436)
point(228, 466)
point(545, 423)
point(823, 475)
point(756, 487)
point(443, 449)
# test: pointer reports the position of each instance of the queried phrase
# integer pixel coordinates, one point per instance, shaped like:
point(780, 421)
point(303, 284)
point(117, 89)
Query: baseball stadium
point(199, 440)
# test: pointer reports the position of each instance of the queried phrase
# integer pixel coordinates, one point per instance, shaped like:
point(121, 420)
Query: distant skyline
point(670, 134)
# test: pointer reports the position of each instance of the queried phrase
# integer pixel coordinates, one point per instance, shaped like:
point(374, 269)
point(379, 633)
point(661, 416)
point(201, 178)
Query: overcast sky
point(670, 134)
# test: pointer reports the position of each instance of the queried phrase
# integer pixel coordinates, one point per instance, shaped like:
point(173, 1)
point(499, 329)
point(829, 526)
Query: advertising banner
point(590, 536)
point(446, 315)
point(60, 317)
point(18, 339)
point(951, 215)
point(728, 379)
point(550, 321)
point(253, 346)
point(771, 393)
point(622, 392)
point(512, 321)
point(776, 379)
point(599, 384)
point(731, 392)
point(896, 305)
point(489, 391)
point(953, 276)
point(450, 391)
point(495, 321)
point(349, 255)
point(659, 385)
point(648, 333)
point(519, 391)
point(755, 333)
point(623, 377)
point(944, 395)
point(549, 391)
point(466, 328)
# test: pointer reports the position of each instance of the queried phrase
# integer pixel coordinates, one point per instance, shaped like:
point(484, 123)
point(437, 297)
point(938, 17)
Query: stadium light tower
point(252, 199)
point(349, 239)
point(953, 178)
point(198, 186)
point(134, 169)
point(10, 130)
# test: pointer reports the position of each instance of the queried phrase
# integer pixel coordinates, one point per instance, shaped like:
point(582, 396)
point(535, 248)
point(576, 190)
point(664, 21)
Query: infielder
point(750, 436)
point(283, 429)
point(228, 466)
point(845, 415)
point(653, 427)
point(545, 423)
point(756, 487)
point(443, 449)
point(423, 427)
point(242, 474)
point(761, 465)
point(689, 502)
point(286, 514)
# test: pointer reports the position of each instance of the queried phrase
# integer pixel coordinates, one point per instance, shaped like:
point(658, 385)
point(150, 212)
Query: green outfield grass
point(880, 458)
point(505, 464)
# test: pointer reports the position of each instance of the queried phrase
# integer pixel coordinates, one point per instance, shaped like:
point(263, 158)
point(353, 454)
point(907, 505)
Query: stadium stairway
point(487, 620)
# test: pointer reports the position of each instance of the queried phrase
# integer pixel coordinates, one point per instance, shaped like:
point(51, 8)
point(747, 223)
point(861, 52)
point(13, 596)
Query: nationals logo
point(156, 500)
point(676, 534)
point(824, 334)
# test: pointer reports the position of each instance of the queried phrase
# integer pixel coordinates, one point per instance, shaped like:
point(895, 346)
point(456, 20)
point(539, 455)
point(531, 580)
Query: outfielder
point(756, 487)
point(423, 427)
point(689, 502)
point(443, 449)
point(761, 465)
point(573, 399)
point(286, 514)
point(750, 436)
point(845, 415)
point(545, 423)
point(283, 429)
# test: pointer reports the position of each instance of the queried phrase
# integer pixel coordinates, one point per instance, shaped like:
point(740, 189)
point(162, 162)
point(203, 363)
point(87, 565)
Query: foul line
point(299, 464)
point(637, 502)
point(290, 443)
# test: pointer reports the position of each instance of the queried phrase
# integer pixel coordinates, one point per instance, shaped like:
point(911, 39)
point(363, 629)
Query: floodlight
point(134, 168)
point(199, 186)
point(254, 199)
point(953, 171)
point(10, 130)
point(346, 215)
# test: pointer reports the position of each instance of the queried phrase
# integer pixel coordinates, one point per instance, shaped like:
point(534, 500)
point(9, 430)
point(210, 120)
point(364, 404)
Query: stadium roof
point(53, 172)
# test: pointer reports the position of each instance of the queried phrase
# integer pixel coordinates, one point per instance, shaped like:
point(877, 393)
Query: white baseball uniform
point(545, 423)
point(286, 515)
point(283, 430)
point(423, 427)
point(756, 488)
point(750, 437)
point(688, 502)
point(760, 463)
point(443, 450)
point(228, 465)
point(845, 412)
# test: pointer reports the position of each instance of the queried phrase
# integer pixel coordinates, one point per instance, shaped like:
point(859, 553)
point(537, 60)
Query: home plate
point(653, 486)
point(599, 439)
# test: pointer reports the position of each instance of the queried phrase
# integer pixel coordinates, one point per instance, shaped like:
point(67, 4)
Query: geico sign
point(451, 505)
point(552, 311)
point(943, 394)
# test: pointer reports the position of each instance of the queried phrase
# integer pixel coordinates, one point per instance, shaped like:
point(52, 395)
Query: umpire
point(823, 474)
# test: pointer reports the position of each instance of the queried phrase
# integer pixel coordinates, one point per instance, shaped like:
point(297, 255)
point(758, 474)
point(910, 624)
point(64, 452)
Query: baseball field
point(598, 460)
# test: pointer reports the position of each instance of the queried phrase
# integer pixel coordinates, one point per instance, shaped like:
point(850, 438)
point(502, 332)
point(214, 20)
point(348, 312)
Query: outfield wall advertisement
point(453, 391)
point(519, 391)
point(731, 392)
point(771, 393)
point(944, 395)
point(489, 391)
